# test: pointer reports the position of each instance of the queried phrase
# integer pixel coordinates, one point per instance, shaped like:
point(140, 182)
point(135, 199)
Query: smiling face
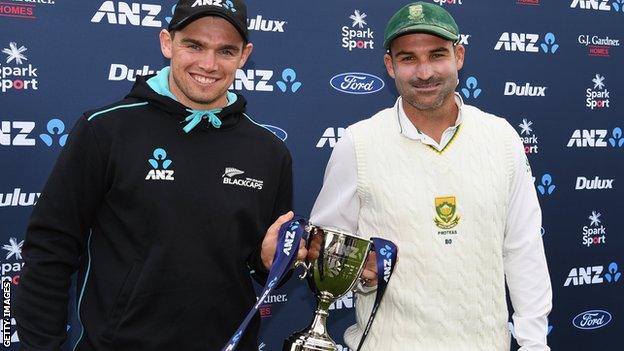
point(204, 58)
point(424, 68)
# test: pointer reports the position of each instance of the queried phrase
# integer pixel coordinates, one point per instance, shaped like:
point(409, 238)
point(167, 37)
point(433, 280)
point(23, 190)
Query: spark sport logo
point(448, 2)
point(598, 96)
point(595, 233)
point(529, 139)
point(15, 75)
point(358, 35)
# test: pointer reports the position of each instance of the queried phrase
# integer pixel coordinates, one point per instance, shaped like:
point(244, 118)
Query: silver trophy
point(334, 273)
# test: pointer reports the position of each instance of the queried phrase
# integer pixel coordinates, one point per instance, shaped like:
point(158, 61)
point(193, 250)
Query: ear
point(389, 65)
point(166, 43)
point(245, 54)
point(459, 56)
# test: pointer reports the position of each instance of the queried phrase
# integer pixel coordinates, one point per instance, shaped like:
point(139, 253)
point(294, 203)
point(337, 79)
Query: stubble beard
point(446, 93)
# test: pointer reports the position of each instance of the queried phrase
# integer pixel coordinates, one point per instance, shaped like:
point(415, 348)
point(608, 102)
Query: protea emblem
point(446, 208)
point(416, 12)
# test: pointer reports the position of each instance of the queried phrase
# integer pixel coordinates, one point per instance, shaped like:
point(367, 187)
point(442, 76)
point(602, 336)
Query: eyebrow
point(436, 50)
point(199, 43)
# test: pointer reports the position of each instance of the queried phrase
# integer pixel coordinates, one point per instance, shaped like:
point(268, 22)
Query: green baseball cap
point(421, 17)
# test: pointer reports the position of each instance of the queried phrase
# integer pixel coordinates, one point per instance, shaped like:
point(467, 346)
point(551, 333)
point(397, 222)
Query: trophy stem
point(316, 337)
point(319, 324)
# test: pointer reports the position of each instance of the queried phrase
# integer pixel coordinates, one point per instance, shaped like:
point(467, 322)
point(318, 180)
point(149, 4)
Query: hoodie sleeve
point(56, 240)
point(283, 204)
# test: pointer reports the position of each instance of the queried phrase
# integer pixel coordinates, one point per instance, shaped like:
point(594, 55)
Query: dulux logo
point(120, 72)
point(17, 198)
point(583, 183)
point(128, 14)
point(356, 83)
point(263, 25)
point(592, 319)
point(277, 131)
point(527, 89)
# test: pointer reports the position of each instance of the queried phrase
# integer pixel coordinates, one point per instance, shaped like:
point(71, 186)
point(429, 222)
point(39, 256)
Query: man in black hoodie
point(161, 202)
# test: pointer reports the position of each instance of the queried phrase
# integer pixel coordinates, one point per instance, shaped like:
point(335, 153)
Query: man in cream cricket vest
point(451, 186)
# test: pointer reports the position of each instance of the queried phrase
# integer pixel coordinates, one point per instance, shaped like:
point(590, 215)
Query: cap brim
point(183, 23)
point(423, 28)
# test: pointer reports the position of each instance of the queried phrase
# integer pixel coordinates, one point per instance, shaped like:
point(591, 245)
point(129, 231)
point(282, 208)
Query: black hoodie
point(159, 223)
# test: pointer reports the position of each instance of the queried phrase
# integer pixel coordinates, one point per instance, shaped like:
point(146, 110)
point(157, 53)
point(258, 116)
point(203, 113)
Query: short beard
point(444, 95)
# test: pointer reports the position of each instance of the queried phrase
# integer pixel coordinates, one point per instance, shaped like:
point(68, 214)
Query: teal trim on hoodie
point(160, 84)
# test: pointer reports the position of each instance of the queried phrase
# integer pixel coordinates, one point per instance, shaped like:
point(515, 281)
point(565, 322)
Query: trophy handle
point(306, 268)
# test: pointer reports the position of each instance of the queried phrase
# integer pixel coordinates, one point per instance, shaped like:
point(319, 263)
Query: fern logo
point(231, 172)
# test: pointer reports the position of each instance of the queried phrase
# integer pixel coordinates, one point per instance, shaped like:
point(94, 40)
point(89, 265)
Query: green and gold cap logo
point(446, 208)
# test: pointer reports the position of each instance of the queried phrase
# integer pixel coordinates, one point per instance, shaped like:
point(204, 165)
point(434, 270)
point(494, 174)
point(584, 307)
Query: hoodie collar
point(216, 118)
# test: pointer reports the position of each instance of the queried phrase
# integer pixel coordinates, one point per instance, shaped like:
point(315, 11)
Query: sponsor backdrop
point(553, 69)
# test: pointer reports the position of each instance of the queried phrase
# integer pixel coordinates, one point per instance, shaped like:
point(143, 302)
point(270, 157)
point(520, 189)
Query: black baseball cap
point(234, 11)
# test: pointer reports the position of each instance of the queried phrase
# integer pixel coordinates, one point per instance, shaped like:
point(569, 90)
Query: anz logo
point(593, 275)
point(344, 302)
point(330, 137)
point(260, 80)
point(527, 42)
point(134, 14)
point(600, 5)
point(18, 133)
point(160, 165)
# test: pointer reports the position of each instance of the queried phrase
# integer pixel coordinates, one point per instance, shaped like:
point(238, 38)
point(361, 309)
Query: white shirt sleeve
point(338, 204)
point(525, 262)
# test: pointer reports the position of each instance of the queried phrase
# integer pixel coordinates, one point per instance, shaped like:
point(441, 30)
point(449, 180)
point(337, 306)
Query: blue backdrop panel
point(551, 68)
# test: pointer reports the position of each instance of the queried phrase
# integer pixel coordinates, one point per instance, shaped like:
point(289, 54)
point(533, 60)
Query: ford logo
point(593, 319)
point(357, 83)
point(279, 132)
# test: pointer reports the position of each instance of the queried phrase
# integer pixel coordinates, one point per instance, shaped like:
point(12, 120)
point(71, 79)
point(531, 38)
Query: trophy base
point(304, 341)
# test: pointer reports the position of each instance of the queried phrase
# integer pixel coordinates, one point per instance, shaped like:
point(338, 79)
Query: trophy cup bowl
point(334, 273)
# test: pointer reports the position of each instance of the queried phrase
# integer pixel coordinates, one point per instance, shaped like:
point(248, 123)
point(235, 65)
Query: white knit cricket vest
point(448, 289)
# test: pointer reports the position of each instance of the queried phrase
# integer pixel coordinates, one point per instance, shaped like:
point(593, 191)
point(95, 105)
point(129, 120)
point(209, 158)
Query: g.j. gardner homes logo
point(446, 208)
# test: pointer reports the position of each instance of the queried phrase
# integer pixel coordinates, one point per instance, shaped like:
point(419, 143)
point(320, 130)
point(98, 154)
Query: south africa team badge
point(446, 210)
